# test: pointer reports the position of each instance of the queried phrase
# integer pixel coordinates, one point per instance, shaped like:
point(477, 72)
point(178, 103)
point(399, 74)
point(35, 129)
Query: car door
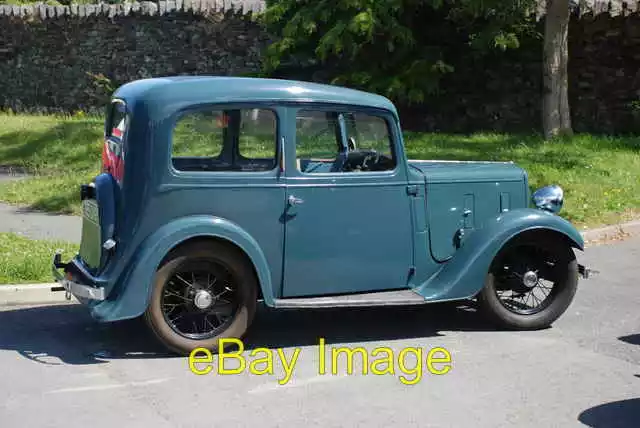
point(348, 218)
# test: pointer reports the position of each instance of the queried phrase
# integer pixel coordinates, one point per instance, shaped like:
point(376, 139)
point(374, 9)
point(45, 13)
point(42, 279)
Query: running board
point(381, 298)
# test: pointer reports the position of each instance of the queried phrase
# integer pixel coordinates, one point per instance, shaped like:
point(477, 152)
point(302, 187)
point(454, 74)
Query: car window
point(225, 140)
point(339, 142)
point(113, 151)
point(257, 136)
point(117, 127)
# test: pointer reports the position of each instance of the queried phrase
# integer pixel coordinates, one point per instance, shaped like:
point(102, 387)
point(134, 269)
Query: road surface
point(60, 369)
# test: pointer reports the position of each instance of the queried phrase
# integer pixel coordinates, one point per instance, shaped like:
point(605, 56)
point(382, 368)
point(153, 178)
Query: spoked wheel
point(531, 283)
point(200, 299)
point(204, 292)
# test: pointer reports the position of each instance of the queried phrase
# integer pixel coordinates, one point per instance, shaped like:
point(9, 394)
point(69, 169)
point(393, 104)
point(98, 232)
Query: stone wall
point(503, 91)
point(61, 58)
point(66, 58)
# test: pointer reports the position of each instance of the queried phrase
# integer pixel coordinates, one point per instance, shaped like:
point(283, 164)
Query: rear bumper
point(76, 280)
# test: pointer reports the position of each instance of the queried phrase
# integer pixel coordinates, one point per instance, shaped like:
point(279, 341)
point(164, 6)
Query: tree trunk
point(556, 114)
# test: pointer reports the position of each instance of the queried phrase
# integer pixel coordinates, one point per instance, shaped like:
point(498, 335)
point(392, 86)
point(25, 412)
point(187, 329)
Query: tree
point(556, 113)
point(398, 48)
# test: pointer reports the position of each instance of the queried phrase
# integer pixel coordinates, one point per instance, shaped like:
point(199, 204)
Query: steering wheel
point(351, 144)
point(371, 155)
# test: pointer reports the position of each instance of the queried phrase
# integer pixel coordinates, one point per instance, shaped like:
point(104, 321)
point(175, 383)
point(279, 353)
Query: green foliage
point(399, 48)
point(64, 151)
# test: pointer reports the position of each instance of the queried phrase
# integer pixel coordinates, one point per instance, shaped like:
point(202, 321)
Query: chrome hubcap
point(530, 279)
point(202, 299)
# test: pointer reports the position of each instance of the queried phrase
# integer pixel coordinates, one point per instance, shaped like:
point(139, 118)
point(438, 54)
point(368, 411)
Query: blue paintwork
point(132, 301)
point(453, 188)
point(463, 276)
point(355, 232)
point(340, 239)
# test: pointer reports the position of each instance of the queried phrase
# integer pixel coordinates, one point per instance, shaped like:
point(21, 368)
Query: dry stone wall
point(66, 58)
point(69, 58)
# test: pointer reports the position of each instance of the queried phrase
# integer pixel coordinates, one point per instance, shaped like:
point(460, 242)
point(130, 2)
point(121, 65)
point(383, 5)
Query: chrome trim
point(109, 244)
point(530, 279)
point(459, 161)
point(74, 288)
point(292, 200)
point(282, 158)
point(548, 198)
point(83, 291)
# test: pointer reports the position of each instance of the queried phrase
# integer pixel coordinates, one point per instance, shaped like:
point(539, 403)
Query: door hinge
point(412, 190)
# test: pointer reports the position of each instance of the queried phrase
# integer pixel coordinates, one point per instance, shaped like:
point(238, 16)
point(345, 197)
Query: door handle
point(294, 201)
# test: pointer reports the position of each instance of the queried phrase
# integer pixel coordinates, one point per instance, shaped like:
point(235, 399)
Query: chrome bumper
point(78, 290)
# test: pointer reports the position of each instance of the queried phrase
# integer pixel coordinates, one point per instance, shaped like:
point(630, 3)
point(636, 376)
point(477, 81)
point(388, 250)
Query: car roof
point(202, 89)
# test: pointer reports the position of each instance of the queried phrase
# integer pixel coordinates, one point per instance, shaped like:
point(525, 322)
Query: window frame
point(342, 110)
point(179, 114)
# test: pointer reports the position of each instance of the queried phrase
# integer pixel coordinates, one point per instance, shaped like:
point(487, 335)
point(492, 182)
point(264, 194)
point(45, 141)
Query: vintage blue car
point(220, 192)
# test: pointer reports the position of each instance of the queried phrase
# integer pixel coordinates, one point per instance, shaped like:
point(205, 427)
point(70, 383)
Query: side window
point(339, 142)
point(318, 141)
point(199, 134)
point(225, 140)
point(258, 135)
point(369, 133)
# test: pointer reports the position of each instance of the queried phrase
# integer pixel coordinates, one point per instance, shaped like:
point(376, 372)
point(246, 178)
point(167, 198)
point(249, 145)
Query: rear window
point(116, 128)
point(113, 151)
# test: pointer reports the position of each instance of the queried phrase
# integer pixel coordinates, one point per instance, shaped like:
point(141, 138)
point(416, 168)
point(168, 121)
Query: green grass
point(29, 261)
point(600, 175)
point(61, 152)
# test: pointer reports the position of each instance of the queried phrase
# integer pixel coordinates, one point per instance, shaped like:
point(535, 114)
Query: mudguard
point(135, 288)
point(463, 276)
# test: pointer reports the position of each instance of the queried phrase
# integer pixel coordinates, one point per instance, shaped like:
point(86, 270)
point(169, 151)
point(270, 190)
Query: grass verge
point(600, 175)
point(26, 260)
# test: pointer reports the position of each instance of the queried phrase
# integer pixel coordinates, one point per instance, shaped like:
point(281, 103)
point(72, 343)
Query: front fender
point(135, 290)
point(463, 276)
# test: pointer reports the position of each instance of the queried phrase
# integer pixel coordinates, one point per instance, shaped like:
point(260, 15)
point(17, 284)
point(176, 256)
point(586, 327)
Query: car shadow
point(617, 414)
point(632, 339)
point(66, 334)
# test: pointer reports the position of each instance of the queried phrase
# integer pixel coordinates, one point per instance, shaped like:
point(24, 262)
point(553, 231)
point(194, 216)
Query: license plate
point(90, 210)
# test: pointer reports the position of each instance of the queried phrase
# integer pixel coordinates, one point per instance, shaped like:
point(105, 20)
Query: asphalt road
point(35, 224)
point(60, 369)
point(40, 225)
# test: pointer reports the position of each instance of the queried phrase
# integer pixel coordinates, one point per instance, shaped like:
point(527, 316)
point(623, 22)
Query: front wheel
point(204, 292)
point(530, 284)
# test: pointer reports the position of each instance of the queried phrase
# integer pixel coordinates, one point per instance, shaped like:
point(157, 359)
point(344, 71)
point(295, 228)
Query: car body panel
point(462, 195)
point(132, 301)
point(428, 226)
point(463, 276)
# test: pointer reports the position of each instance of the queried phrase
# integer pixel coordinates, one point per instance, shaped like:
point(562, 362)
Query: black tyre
point(531, 283)
point(203, 292)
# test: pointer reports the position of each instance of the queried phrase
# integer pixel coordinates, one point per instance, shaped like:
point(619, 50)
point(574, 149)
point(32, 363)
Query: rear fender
point(136, 287)
point(463, 275)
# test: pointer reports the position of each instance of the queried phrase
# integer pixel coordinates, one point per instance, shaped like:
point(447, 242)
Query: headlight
point(548, 198)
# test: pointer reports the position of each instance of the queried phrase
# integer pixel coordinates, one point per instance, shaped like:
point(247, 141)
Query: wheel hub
point(202, 299)
point(530, 279)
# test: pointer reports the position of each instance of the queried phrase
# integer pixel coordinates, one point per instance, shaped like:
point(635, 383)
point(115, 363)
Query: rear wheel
point(530, 284)
point(202, 293)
